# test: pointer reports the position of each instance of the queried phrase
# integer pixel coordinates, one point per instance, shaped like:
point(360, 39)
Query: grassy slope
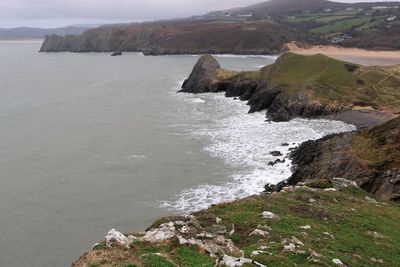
point(345, 225)
point(379, 146)
point(330, 81)
point(341, 25)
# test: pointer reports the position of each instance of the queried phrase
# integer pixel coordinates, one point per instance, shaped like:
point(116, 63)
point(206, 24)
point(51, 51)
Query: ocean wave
point(243, 141)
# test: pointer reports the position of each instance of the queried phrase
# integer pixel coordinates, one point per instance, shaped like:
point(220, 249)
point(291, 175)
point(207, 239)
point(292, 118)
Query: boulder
point(202, 78)
point(116, 53)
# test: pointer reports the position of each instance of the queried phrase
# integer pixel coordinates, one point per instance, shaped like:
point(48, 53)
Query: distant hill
point(263, 28)
point(276, 8)
point(39, 33)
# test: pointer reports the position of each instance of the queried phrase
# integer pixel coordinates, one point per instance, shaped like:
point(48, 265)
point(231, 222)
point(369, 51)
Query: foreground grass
point(348, 225)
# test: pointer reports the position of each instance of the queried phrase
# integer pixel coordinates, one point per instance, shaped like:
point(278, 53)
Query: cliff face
point(177, 38)
point(370, 157)
point(306, 86)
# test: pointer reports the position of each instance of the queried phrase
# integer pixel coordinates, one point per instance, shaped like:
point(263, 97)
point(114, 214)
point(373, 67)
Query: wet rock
point(278, 161)
point(276, 153)
point(116, 53)
point(270, 188)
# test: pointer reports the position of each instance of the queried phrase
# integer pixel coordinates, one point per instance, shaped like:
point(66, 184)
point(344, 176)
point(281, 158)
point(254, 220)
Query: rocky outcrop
point(304, 86)
point(203, 77)
point(369, 157)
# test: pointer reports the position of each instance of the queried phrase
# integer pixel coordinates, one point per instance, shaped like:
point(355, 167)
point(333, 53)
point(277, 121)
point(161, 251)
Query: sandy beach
point(355, 55)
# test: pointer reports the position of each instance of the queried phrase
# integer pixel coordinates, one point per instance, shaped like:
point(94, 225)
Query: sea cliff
point(177, 38)
point(306, 86)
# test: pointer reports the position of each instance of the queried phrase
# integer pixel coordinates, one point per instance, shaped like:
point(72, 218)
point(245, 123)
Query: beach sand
point(354, 55)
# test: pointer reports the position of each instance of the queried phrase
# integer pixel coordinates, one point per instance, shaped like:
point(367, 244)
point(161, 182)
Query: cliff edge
point(309, 87)
point(370, 157)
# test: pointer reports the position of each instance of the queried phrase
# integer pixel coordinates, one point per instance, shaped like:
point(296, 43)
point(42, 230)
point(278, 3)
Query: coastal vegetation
point(311, 227)
point(304, 86)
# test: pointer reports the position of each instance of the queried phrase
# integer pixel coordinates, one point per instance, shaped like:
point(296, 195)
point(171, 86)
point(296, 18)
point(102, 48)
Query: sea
point(90, 142)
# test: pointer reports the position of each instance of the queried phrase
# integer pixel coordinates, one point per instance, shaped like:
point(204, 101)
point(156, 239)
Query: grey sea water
point(90, 142)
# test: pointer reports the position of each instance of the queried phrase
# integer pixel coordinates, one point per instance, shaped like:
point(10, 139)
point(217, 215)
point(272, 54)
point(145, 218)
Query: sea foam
point(244, 141)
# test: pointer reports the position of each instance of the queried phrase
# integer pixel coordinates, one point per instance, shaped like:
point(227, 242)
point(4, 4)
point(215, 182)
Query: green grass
point(152, 260)
point(333, 214)
point(190, 257)
point(341, 25)
point(329, 19)
point(361, 230)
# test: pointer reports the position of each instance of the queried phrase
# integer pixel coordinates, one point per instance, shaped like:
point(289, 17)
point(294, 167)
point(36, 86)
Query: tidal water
point(90, 142)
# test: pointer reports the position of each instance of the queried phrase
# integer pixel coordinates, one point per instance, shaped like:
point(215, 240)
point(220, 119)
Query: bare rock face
point(348, 155)
point(202, 79)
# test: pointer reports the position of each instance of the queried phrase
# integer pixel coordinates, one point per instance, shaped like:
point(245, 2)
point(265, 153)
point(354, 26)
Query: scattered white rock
point(330, 189)
point(115, 238)
point(375, 234)
point(311, 200)
point(371, 200)
point(218, 220)
point(296, 241)
point(233, 230)
point(305, 227)
point(180, 223)
point(314, 256)
point(258, 232)
point(290, 247)
point(338, 262)
point(256, 253)
point(264, 227)
point(230, 261)
point(205, 235)
point(95, 245)
point(375, 260)
point(270, 215)
point(329, 235)
point(159, 234)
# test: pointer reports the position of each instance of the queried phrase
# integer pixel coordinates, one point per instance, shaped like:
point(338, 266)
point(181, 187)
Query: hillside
point(258, 29)
point(370, 157)
point(177, 38)
point(305, 86)
point(309, 225)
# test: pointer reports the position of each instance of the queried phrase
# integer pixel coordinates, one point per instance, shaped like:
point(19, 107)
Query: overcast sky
point(55, 13)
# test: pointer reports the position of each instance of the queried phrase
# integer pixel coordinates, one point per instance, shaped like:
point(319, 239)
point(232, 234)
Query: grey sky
point(55, 13)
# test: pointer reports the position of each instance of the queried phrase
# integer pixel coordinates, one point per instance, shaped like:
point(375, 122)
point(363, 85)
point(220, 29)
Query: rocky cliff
point(370, 157)
point(186, 37)
point(306, 86)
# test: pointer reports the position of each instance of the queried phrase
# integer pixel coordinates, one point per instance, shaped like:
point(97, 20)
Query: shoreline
point(354, 55)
